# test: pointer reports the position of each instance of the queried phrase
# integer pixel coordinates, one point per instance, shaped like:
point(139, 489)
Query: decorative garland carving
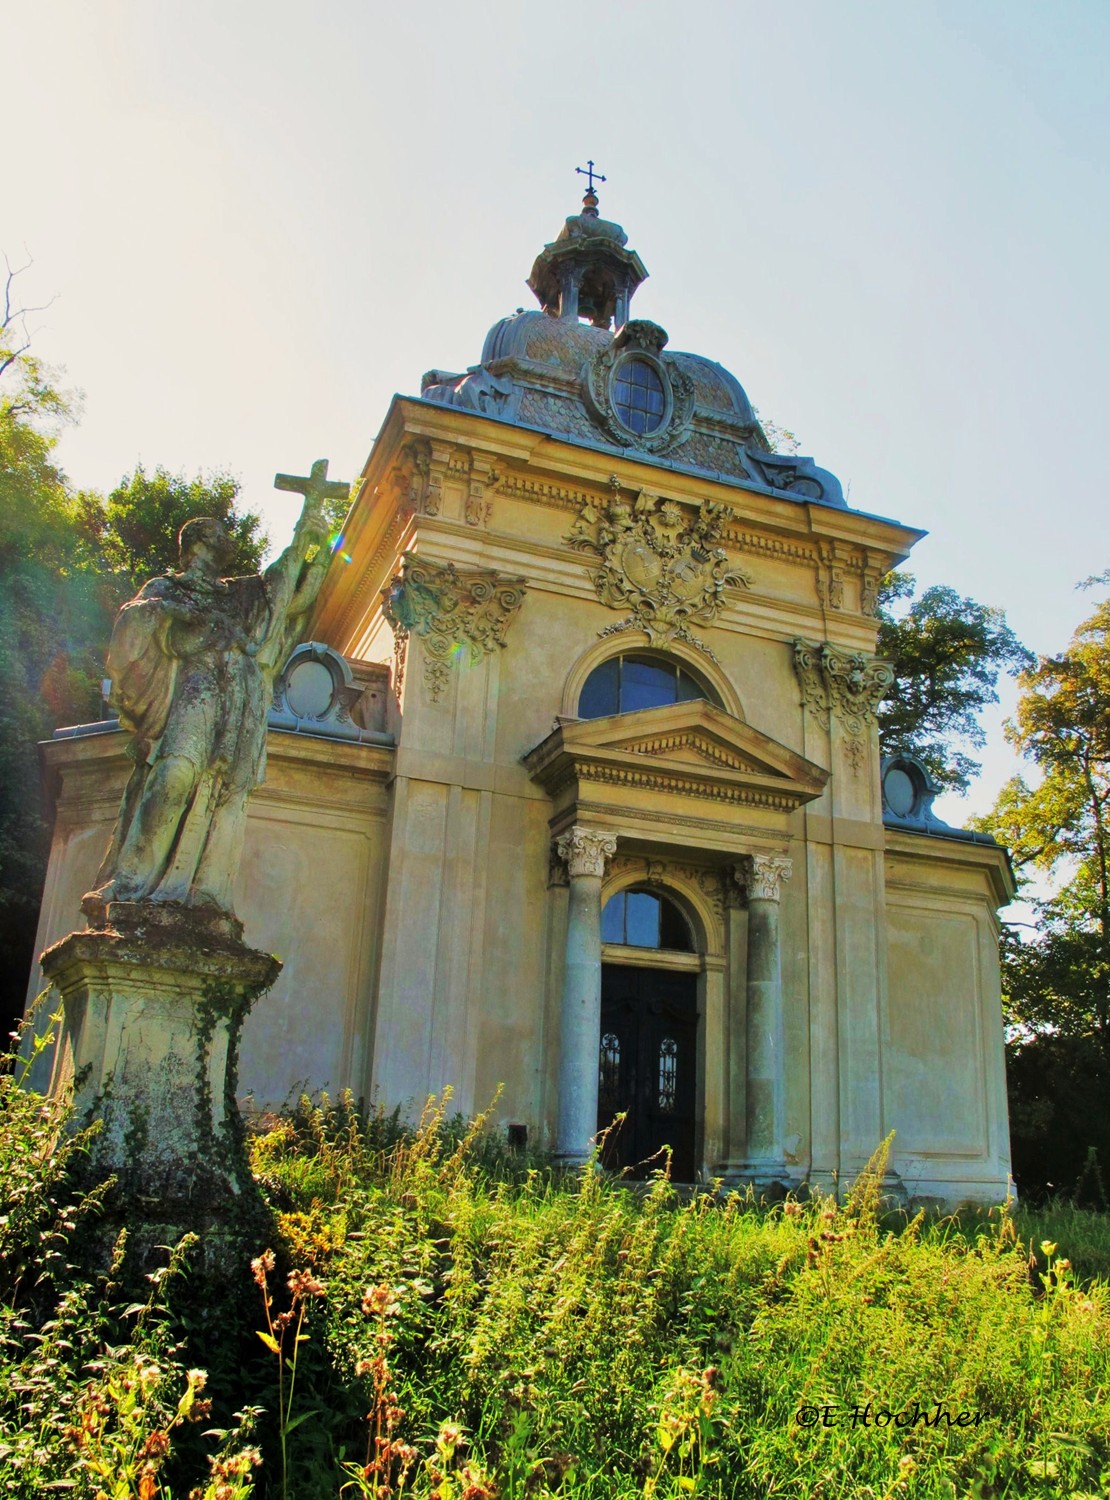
point(448, 609)
point(849, 683)
point(830, 578)
point(870, 583)
point(659, 561)
point(482, 476)
point(661, 872)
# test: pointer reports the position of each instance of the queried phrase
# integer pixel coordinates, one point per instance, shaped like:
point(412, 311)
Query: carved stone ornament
point(585, 850)
point(762, 875)
point(642, 340)
point(451, 610)
point(849, 683)
point(661, 873)
point(659, 562)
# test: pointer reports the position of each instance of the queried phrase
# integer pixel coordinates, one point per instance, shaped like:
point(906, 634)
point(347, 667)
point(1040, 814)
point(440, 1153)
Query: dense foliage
point(439, 1317)
point(1058, 982)
point(948, 653)
point(68, 560)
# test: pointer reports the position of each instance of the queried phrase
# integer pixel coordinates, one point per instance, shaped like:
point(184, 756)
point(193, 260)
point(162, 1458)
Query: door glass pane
point(668, 1074)
point(609, 1073)
point(688, 688)
point(599, 696)
point(612, 919)
point(645, 684)
point(673, 929)
point(642, 919)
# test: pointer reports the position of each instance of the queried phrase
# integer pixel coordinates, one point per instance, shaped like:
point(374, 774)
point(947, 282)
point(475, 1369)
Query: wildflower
point(378, 1302)
point(261, 1265)
point(157, 1445)
point(792, 1210)
point(304, 1284)
point(198, 1379)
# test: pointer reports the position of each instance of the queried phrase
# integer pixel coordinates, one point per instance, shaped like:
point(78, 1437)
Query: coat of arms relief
point(658, 561)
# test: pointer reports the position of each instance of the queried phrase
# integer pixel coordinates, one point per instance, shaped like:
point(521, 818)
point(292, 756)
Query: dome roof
point(566, 370)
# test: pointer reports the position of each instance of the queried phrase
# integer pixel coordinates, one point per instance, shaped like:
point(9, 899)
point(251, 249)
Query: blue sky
point(888, 220)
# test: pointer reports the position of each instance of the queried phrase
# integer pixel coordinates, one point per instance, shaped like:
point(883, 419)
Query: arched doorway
point(647, 1062)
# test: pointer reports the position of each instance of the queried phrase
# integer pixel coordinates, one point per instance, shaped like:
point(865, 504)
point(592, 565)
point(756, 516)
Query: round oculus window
point(900, 792)
point(309, 690)
point(639, 396)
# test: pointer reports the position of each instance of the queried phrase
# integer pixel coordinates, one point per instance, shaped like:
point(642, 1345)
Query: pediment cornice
point(687, 749)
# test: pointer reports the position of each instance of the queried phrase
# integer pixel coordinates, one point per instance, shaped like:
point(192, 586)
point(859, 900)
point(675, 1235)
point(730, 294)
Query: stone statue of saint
point(192, 663)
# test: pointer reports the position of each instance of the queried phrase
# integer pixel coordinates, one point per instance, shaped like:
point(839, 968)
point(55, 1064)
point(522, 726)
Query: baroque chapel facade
point(576, 790)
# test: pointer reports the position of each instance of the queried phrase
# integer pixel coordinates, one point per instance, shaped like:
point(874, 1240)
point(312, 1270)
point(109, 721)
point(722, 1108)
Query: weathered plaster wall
point(309, 889)
point(944, 1084)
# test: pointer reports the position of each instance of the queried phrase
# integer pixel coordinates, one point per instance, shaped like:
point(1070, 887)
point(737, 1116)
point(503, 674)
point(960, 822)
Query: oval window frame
point(630, 356)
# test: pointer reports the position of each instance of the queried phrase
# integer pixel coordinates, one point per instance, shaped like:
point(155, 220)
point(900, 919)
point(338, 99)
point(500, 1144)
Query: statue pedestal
point(154, 998)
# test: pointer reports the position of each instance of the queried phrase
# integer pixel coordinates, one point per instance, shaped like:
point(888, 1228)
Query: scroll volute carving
point(451, 609)
point(849, 684)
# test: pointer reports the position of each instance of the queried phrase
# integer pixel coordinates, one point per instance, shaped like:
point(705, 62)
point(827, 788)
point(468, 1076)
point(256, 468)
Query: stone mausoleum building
point(589, 705)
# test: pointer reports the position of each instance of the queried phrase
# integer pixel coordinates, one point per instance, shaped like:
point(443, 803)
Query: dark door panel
point(648, 1068)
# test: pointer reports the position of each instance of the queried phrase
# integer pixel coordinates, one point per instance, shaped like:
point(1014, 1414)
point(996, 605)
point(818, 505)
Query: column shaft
point(580, 1025)
point(585, 852)
point(766, 1075)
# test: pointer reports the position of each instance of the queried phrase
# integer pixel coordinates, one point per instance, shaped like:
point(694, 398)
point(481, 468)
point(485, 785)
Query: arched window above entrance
point(643, 919)
point(636, 680)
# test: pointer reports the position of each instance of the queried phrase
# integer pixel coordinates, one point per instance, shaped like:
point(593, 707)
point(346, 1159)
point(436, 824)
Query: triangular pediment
point(694, 747)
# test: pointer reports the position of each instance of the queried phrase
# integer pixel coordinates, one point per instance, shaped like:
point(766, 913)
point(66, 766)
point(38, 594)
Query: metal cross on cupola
point(588, 172)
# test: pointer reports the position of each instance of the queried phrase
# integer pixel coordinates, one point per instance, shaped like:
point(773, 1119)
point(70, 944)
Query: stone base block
point(153, 1007)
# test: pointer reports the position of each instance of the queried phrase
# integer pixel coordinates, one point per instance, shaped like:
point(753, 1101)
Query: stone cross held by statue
point(588, 172)
point(316, 488)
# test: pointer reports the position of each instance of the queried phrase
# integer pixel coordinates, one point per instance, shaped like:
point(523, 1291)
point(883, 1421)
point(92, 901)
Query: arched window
point(634, 680)
point(642, 919)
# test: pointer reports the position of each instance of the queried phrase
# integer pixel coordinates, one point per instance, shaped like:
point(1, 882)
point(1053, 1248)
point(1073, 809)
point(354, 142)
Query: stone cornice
point(685, 750)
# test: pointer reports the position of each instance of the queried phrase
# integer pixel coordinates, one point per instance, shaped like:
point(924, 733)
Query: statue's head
point(207, 537)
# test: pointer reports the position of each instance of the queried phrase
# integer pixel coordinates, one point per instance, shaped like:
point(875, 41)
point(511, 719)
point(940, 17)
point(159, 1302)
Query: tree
point(1057, 985)
point(68, 560)
point(947, 653)
point(49, 602)
point(138, 524)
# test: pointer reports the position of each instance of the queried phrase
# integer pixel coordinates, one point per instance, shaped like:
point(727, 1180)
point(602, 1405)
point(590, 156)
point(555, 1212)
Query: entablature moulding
point(425, 449)
point(681, 775)
point(949, 867)
point(85, 775)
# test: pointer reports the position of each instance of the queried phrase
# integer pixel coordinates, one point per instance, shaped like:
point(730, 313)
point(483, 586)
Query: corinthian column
point(762, 876)
point(585, 851)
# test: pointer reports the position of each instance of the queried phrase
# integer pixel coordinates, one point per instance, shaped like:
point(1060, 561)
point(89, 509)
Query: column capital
point(762, 875)
point(585, 850)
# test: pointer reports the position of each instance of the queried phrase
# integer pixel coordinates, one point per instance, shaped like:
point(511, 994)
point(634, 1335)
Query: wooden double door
point(647, 1068)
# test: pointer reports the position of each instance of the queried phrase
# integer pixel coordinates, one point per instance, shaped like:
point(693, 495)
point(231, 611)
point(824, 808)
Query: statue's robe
point(188, 684)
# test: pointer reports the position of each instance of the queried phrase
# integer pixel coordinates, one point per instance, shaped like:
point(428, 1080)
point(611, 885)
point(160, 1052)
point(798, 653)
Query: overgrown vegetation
point(1056, 981)
point(438, 1316)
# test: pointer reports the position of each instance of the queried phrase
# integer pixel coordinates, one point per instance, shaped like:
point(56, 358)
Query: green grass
point(516, 1333)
